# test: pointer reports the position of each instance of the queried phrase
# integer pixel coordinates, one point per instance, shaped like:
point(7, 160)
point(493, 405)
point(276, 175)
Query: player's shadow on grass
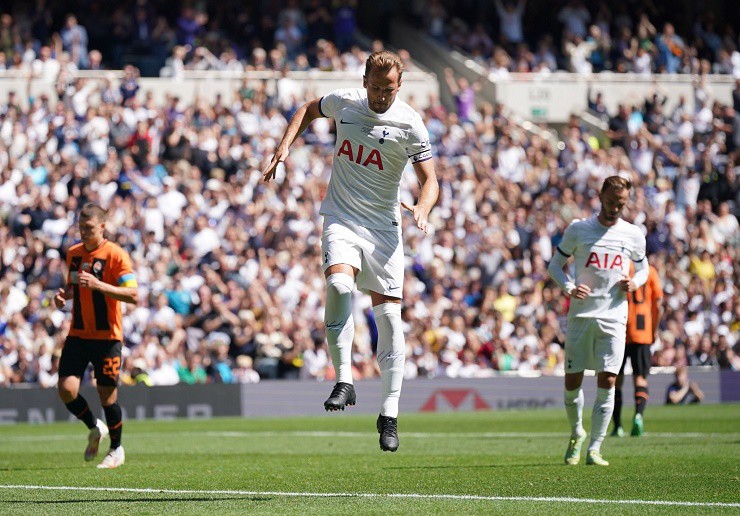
point(145, 500)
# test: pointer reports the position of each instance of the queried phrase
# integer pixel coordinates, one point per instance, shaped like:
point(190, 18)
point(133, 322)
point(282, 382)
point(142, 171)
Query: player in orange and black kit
point(645, 310)
point(100, 278)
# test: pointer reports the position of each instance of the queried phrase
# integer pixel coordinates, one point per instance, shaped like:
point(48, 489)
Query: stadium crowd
point(583, 37)
point(229, 268)
point(167, 38)
point(505, 36)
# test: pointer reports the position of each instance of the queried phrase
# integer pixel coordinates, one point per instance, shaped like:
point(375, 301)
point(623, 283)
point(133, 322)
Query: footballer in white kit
point(377, 135)
point(362, 225)
point(596, 329)
point(602, 248)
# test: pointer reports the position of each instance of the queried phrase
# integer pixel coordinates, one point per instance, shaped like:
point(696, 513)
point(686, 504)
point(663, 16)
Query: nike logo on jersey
point(343, 121)
point(393, 288)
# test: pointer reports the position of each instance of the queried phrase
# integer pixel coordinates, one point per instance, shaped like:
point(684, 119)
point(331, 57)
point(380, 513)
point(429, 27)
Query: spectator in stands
point(74, 41)
point(129, 85)
point(545, 57)
point(510, 16)
point(670, 48)
point(142, 31)
point(434, 18)
point(190, 25)
point(464, 94)
point(244, 372)
point(578, 51)
point(478, 41)
point(682, 391)
point(575, 18)
point(345, 24)
point(192, 372)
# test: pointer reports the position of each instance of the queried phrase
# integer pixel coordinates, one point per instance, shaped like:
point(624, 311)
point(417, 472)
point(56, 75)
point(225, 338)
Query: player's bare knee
point(606, 380)
point(573, 381)
point(68, 388)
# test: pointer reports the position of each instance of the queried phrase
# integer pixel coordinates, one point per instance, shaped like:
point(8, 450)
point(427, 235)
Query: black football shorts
point(105, 356)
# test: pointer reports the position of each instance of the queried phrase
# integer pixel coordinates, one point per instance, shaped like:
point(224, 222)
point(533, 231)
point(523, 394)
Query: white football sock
point(340, 326)
point(391, 354)
point(603, 409)
point(574, 409)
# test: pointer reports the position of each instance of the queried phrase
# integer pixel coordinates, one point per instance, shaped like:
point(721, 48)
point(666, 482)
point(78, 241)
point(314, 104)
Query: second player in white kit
point(377, 135)
point(602, 248)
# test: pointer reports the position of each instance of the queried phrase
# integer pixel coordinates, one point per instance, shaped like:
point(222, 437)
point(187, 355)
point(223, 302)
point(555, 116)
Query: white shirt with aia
point(370, 154)
point(602, 258)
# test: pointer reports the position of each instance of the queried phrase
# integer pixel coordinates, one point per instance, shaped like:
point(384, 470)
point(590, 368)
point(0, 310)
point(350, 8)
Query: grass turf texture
point(515, 454)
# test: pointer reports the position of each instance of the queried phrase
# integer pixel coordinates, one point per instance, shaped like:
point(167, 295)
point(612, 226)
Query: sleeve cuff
point(321, 110)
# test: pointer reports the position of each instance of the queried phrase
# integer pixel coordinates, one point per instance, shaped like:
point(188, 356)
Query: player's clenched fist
point(627, 285)
point(580, 292)
point(60, 299)
point(88, 280)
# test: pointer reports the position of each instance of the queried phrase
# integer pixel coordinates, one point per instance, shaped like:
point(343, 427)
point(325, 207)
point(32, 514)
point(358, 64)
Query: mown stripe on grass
point(413, 435)
point(556, 499)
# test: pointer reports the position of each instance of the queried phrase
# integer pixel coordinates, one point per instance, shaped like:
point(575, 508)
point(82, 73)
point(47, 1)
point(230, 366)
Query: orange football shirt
point(642, 311)
point(95, 315)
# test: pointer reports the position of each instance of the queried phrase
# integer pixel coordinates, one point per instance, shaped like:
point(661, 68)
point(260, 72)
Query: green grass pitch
point(468, 463)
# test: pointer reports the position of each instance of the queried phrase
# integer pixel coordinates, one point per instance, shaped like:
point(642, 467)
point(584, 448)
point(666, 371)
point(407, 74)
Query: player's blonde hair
point(384, 60)
point(617, 183)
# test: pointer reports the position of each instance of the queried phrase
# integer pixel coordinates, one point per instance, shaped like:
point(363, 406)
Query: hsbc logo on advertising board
point(451, 400)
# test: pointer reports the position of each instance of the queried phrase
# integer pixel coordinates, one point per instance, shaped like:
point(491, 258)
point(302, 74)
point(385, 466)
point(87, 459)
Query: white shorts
point(376, 253)
point(595, 344)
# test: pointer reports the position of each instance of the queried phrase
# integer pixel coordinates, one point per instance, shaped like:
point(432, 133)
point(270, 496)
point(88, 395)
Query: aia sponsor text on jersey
point(605, 261)
point(362, 156)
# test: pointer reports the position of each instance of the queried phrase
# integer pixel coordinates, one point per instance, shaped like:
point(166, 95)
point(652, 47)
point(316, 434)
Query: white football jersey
point(602, 258)
point(370, 154)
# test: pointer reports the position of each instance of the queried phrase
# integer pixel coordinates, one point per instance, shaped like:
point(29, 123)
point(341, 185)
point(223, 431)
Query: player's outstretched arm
point(306, 114)
point(428, 195)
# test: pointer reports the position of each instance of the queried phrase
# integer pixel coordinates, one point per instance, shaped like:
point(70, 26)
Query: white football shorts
point(376, 253)
point(595, 344)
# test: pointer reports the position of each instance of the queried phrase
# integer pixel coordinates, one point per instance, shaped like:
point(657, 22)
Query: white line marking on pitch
point(374, 495)
point(453, 435)
point(320, 433)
